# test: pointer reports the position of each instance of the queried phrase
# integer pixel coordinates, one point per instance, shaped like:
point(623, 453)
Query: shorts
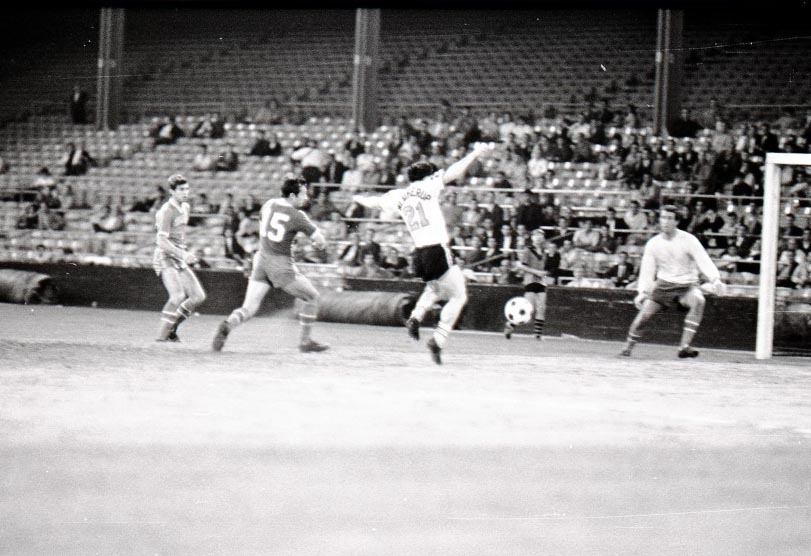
point(431, 262)
point(669, 295)
point(162, 260)
point(277, 270)
point(534, 287)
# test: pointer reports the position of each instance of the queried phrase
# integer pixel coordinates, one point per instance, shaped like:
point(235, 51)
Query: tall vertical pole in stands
point(109, 85)
point(365, 113)
point(669, 74)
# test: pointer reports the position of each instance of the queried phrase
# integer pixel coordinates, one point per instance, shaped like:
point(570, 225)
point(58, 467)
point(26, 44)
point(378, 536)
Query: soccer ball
point(518, 310)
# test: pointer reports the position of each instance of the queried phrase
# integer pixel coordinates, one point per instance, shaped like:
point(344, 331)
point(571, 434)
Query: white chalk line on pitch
point(561, 517)
point(568, 338)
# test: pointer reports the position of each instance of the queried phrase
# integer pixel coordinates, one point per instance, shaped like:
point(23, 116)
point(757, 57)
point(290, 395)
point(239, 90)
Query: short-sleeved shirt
point(171, 221)
point(418, 206)
point(279, 223)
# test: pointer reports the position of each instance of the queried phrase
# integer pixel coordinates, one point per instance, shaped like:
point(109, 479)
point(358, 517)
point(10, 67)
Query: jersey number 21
point(415, 219)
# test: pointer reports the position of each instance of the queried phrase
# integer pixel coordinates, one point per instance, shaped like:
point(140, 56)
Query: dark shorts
point(534, 287)
point(669, 295)
point(277, 270)
point(431, 262)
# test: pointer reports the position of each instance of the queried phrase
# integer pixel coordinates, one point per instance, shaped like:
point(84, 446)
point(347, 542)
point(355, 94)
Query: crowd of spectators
point(517, 191)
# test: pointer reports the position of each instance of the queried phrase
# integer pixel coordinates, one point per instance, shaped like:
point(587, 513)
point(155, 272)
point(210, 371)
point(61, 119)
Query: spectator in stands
point(229, 160)
point(730, 258)
point(581, 149)
point(631, 117)
point(205, 128)
point(586, 237)
point(394, 262)
point(312, 159)
point(805, 241)
point(741, 240)
point(109, 220)
point(369, 245)
point(789, 228)
point(333, 171)
point(352, 177)
point(334, 227)
point(474, 253)
point(501, 181)
point(354, 145)
point(684, 125)
point(623, 272)
point(76, 160)
point(149, 203)
point(263, 147)
point(369, 268)
point(78, 105)
point(800, 277)
point(247, 234)
point(562, 233)
point(561, 151)
point(167, 132)
point(203, 161)
point(29, 219)
point(269, 113)
point(43, 178)
point(472, 216)
point(492, 209)
point(707, 225)
point(634, 218)
point(579, 279)
point(710, 115)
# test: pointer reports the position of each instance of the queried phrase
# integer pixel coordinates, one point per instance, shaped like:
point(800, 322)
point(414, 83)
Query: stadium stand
point(532, 63)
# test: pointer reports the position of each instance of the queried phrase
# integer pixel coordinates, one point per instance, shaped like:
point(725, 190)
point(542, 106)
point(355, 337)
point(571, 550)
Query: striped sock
point(632, 340)
point(539, 327)
point(183, 312)
point(168, 321)
point(441, 334)
point(306, 318)
point(237, 317)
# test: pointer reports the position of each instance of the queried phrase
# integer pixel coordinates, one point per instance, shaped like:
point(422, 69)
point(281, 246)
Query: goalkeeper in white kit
point(669, 278)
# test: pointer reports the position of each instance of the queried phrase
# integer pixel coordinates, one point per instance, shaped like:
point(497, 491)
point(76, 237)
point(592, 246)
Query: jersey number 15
point(276, 227)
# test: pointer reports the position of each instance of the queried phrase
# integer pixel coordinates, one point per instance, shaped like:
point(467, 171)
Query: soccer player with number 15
point(281, 220)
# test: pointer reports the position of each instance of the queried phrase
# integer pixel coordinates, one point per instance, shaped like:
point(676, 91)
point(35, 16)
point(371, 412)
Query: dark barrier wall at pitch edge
point(601, 314)
point(141, 289)
point(598, 314)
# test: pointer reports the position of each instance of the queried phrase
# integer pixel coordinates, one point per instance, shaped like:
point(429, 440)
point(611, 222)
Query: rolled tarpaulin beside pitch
point(379, 308)
point(22, 286)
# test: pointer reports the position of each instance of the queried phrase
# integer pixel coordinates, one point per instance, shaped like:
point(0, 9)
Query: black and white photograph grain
point(530, 279)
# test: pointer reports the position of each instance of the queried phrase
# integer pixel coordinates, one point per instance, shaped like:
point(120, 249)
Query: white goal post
point(769, 243)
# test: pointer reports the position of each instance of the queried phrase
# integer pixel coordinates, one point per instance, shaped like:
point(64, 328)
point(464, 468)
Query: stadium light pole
point(365, 113)
point(108, 78)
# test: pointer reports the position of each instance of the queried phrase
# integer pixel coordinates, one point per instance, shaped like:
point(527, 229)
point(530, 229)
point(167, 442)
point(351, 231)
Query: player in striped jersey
point(171, 261)
point(531, 262)
point(669, 278)
point(418, 206)
point(281, 219)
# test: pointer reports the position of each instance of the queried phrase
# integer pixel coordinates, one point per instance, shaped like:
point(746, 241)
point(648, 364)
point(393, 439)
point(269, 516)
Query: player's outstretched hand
point(481, 148)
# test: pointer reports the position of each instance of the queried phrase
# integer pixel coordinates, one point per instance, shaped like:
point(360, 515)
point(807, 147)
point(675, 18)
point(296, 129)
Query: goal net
point(784, 310)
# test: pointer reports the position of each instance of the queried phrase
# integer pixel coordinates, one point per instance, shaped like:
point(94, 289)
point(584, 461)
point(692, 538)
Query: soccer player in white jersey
point(418, 206)
point(669, 278)
point(171, 260)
